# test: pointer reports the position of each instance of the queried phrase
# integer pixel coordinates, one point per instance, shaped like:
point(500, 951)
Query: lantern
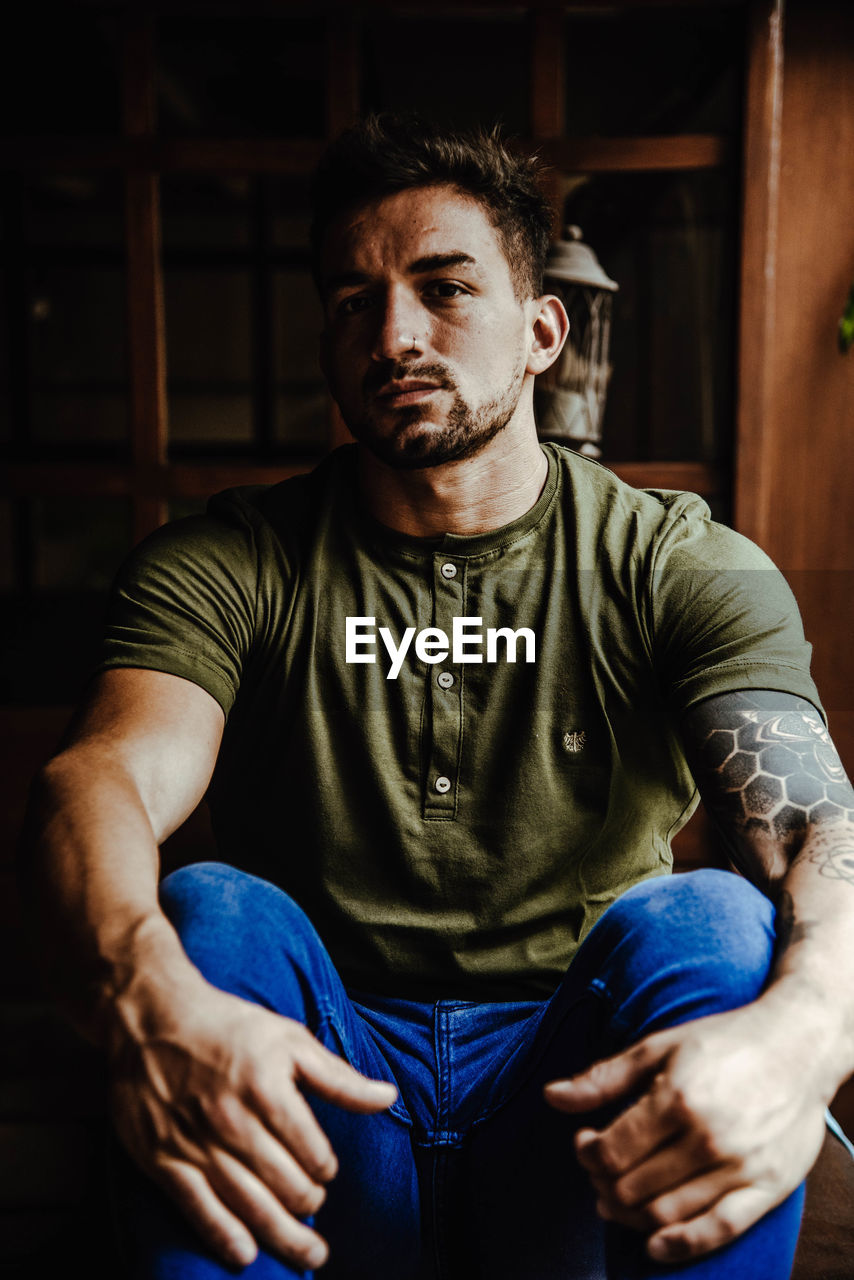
point(570, 396)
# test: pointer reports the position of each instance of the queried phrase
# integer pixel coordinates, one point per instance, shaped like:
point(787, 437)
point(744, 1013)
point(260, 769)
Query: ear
point(550, 327)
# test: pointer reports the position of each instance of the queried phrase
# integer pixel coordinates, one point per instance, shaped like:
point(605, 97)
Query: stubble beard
point(466, 430)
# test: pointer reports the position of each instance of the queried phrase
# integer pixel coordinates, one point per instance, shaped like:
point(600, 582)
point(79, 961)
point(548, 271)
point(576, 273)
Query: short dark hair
point(389, 152)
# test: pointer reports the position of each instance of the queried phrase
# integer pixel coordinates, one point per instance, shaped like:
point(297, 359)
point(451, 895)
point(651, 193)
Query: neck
point(473, 495)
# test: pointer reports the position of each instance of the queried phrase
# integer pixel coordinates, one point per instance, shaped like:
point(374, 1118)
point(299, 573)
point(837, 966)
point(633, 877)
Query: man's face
point(426, 343)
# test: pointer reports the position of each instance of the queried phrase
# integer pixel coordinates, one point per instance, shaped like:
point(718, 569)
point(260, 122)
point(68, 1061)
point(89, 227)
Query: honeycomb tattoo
point(770, 767)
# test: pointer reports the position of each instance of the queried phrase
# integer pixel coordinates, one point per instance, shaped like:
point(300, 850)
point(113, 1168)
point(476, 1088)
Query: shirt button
point(445, 679)
point(449, 570)
point(443, 784)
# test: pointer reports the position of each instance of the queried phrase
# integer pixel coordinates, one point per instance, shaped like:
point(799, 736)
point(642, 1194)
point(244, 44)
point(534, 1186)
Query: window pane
point(654, 71)
point(291, 212)
point(221, 419)
point(209, 356)
point(302, 409)
point(75, 210)
point(78, 543)
point(668, 241)
point(466, 71)
point(241, 76)
point(205, 212)
point(76, 331)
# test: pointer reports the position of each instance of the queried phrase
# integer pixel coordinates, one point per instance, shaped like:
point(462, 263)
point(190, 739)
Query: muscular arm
point(206, 1089)
point(775, 787)
point(136, 761)
point(745, 1090)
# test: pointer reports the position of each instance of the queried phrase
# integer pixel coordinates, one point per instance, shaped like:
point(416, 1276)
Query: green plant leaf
point(846, 325)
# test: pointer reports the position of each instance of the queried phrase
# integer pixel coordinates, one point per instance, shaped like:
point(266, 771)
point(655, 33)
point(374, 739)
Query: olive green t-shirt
point(454, 825)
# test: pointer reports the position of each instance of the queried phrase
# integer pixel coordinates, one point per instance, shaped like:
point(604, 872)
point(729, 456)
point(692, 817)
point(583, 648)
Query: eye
point(444, 289)
point(353, 303)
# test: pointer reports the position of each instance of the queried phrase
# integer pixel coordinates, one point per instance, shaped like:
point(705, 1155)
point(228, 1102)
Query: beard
point(416, 441)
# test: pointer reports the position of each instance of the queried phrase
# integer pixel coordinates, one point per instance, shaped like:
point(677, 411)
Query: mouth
point(406, 391)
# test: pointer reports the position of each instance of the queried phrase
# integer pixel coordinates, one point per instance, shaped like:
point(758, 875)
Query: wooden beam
point(343, 97)
point(199, 479)
point(548, 90)
point(605, 155)
point(299, 156)
point(704, 478)
point(160, 482)
point(548, 98)
point(161, 155)
point(761, 180)
point(146, 326)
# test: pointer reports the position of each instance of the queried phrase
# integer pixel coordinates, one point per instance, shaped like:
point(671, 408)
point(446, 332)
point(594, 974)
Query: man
point(442, 693)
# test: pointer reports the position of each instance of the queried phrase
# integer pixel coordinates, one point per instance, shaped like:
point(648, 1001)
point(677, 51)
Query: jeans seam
point(595, 988)
point(328, 1018)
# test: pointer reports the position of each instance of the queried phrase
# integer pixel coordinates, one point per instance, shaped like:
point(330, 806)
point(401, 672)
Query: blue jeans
point(470, 1174)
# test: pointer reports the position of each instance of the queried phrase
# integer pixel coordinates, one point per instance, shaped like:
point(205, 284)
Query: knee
point(222, 914)
point(708, 933)
point(211, 890)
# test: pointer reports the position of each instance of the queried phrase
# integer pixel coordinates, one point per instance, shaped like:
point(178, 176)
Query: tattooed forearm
point(770, 775)
point(790, 931)
point(831, 849)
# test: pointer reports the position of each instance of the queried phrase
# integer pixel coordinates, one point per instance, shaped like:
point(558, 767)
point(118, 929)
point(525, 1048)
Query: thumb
point(611, 1079)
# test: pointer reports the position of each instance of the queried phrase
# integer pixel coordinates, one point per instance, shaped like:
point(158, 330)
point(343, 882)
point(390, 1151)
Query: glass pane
point(465, 71)
point(302, 409)
point(79, 543)
point(654, 70)
point(76, 331)
point(241, 76)
point(221, 419)
point(59, 73)
point(205, 212)
point(75, 210)
point(51, 626)
point(209, 356)
point(291, 212)
point(668, 240)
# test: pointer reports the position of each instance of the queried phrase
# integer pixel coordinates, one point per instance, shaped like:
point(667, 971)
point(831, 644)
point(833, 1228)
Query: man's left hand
point(721, 1122)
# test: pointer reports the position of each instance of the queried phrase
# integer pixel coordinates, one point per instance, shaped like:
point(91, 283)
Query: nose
point(401, 325)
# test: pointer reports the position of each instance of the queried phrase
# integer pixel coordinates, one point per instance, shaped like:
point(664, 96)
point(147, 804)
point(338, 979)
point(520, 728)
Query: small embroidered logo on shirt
point(574, 741)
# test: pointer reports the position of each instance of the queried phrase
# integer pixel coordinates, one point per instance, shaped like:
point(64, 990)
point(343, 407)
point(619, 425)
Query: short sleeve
point(723, 616)
point(185, 601)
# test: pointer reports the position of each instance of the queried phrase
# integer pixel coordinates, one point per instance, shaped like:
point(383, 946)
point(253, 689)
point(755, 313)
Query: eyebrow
point(430, 262)
point(435, 261)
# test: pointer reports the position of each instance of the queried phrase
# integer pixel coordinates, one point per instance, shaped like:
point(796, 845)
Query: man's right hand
point(207, 1096)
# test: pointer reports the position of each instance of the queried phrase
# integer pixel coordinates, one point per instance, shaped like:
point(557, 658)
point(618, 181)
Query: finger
point(267, 1219)
point(633, 1137)
point(677, 1204)
point(681, 1162)
point(294, 1124)
point(722, 1223)
point(243, 1134)
point(335, 1080)
point(611, 1079)
point(221, 1230)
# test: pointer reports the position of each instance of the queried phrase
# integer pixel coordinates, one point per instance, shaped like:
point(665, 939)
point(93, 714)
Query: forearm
point(88, 871)
point(812, 989)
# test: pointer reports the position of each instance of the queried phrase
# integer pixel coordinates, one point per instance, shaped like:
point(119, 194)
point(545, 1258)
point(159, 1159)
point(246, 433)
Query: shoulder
point(288, 509)
point(647, 525)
